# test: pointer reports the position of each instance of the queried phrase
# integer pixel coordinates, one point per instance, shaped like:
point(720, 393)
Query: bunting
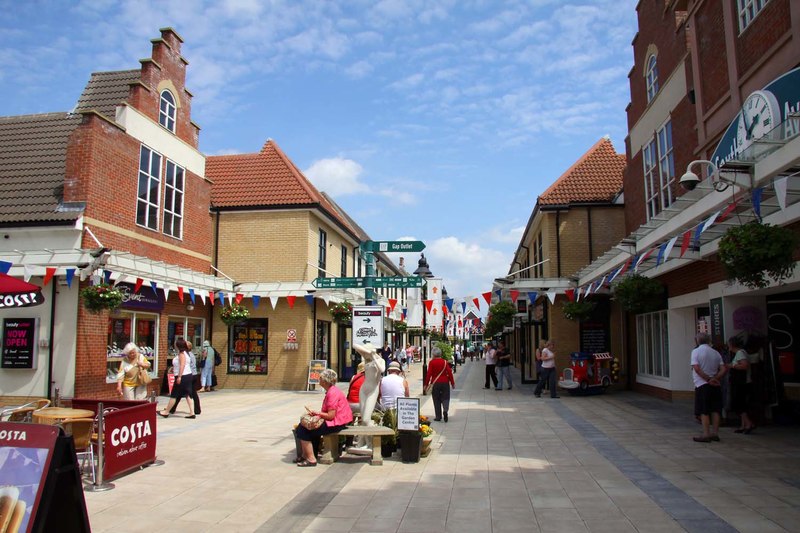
point(428, 304)
point(5, 266)
point(211, 297)
point(165, 289)
point(273, 300)
point(728, 210)
point(309, 298)
point(464, 306)
point(756, 196)
point(532, 297)
point(70, 276)
point(514, 295)
point(180, 293)
point(551, 295)
point(220, 295)
point(392, 303)
point(477, 303)
point(687, 237)
point(780, 186)
point(49, 272)
point(29, 270)
point(154, 287)
point(670, 246)
point(570, 294)
point(290, 300)
point(488, 297)
point(238, 298)
point(138, 285)
point(256, 300)
point(191, 295)
point(449, 303)
point(107, 277)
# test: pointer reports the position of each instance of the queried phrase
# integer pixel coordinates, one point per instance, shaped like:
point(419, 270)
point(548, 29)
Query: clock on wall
point(759, 115)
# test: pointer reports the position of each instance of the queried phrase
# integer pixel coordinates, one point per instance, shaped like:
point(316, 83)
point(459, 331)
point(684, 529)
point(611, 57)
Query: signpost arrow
point(394, 246)
point(398, 282)
point(339, 283)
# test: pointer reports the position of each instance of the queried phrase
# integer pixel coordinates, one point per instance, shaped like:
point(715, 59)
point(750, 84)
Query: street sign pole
point(369, 292)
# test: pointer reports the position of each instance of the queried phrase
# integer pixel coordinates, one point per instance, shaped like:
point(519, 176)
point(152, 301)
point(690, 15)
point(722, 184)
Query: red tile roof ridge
point(302, 180)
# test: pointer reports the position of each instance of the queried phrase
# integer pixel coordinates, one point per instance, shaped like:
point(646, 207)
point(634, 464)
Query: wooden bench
point(331, 442)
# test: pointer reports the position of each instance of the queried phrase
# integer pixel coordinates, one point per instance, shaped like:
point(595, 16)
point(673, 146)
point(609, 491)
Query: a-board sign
point(368, 326)
point(40, 485)
point(20, 343)
point(315, 368)
point(408, 414)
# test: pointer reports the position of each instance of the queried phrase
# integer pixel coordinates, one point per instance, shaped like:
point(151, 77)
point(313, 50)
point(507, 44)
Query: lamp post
point(424, 271)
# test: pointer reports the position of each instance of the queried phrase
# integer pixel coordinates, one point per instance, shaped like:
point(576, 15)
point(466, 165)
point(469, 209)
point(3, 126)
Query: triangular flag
point(256, 300)
point(274, 301)
point(687, 237)
point(670, 245)
point(221, 296)
point(728, 210)
point(5, 266)
point(464, 306)
point(309, 298)
point(120, 279)
point(514, 295)
point(613, 274)
point(165, 289)
point(780, 191)
point(570, 294)
point(70, 274)
point(239, 297)
point(392, 303)
point(29, 270)
point(532, 296)
point(49, 272)
point(290, 300)
point(138, 285)
point(404, 312)
point(660, 256)
point(180, 293)
point(488, 297)
point(643, 257)
point(154, 286)
point(191, 295)
point(499, 293)
point(697, 231)
point(203, 299)
point(757, 193)
point(449, 304)
point(211, 297)
point(625, 267)
point(710, 222)
point(551, 295)
point(477, 303)
point(107, 277)
point(428, 304)
point(230, 297)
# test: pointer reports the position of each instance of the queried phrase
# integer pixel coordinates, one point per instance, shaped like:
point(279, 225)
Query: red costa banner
point(130, 439)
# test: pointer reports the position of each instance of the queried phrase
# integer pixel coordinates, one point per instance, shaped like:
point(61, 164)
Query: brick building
point(715, 88)
point(577, 218)
point(114, 190)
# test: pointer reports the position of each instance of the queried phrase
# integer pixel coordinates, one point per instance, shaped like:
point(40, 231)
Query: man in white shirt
point(491, 362)
point(393, 386)
point(707, 369)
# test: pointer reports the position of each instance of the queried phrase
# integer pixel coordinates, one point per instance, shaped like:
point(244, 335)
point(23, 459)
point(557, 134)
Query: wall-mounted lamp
point(690, 180)
point(190, 308)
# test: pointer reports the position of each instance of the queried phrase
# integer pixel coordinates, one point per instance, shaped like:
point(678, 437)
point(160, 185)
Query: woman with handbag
point(440, 376)
point(334, 415)
point(181, 368)
point(131, 380)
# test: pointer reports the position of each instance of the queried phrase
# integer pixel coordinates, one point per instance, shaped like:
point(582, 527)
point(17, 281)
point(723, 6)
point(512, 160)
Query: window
point(540, 257)
point(140, 328)
point(173, 200)
point(188, 328)
point(247, 348)
point(166, 111)
point(323, 253)
point(748, 9)
point(149, 188)
point(344, 260)
point(652, 344)
point(651, 77)
point(659, 171)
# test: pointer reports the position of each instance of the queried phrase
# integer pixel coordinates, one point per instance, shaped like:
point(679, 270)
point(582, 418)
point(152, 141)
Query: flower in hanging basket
point(638, 294)
point(97, 298)
point(233, 314)
point(400, 326)
point(342, 312)
point(578, 310)
point(754, 253)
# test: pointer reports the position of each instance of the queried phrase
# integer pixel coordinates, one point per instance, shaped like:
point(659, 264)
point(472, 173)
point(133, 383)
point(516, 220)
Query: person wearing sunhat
point(394, 385)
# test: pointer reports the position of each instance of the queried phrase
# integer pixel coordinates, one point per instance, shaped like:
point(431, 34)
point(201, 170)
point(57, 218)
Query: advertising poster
point(408, 414)
point(315, 368)
point(130, 438)
point(20, 342)
point(368, 325)
point(25, 451)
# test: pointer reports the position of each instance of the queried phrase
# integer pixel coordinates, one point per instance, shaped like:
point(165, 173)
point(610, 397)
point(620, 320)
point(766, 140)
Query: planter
point(410, 446)
point(388, 449)
point(639, 294)
point(426, 446)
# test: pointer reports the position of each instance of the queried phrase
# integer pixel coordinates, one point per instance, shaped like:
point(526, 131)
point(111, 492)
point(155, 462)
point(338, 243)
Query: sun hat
point(394, 365)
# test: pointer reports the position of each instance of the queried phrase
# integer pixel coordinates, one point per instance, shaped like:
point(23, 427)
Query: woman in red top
point(440, 374)
point(355, 387)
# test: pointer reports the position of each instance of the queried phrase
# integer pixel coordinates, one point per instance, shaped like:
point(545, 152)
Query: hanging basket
point(233, 315)
point(755, 254)
point(342, 312)
point(638, 294)
point(98, 298)
point(578, 311)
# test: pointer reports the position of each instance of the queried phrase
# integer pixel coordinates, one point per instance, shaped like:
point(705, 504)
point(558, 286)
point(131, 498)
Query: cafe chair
point(81, 431)
point(20, 414)
point(41, 404)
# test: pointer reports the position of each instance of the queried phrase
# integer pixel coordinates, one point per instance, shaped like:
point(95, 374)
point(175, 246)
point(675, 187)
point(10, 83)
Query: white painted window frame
point(174, 211)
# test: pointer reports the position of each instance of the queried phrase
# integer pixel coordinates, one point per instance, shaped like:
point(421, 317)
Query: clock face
point(760, 114)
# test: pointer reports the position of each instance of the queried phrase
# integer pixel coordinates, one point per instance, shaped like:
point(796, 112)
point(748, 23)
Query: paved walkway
point(506, 462)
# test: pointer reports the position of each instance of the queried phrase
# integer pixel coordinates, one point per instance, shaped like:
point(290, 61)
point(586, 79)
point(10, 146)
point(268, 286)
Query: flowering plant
point(425, 430)
point(578, 310)
point(97, 298)
point(342, 311)
point(400, 326)
point(754, 253)
point(232, 314)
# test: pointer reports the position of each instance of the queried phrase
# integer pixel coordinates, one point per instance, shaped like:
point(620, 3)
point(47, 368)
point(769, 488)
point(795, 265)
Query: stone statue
point(374, 366)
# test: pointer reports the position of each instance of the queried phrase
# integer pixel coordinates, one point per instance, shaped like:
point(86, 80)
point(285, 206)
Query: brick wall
point(762, 33)
point(709, 28)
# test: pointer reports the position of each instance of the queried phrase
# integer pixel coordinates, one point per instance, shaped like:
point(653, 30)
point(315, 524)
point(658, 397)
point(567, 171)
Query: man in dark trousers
point(491, 361)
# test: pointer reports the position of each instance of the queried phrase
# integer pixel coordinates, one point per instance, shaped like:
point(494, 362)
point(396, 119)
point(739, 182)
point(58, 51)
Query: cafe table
point(54, 415)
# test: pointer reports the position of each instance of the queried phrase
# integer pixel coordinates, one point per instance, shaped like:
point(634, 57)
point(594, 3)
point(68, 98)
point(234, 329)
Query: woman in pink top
point(335, 411)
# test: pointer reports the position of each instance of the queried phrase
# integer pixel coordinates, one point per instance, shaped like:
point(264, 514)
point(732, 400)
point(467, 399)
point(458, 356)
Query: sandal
point(701, 439)
point(162, 414)
point(305, 462)
point(298, 460)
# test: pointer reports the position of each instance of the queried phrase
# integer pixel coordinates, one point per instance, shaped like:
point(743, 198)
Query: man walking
point(708, 368)
point(503, 364)
point(548, 374)
point(489, 359)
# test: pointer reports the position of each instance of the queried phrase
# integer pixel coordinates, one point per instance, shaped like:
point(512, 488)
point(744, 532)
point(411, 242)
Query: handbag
point(144, 377)
point(311, 421)
point(429, 388)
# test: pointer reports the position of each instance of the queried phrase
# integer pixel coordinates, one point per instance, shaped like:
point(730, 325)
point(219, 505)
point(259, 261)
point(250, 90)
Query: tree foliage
point(500, 316)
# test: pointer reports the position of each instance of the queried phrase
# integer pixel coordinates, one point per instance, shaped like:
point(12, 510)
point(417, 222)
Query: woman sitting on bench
point(335, 412)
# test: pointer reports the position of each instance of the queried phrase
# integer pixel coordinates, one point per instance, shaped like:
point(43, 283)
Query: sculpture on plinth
point(374, 366)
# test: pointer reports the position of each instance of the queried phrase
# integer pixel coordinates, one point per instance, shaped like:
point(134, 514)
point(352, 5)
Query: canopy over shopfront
point(18, 293)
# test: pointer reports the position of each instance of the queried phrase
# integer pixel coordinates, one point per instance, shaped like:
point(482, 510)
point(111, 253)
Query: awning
point(18, 293)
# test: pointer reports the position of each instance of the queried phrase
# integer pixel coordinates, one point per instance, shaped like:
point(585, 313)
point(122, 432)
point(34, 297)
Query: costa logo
point(129, 434)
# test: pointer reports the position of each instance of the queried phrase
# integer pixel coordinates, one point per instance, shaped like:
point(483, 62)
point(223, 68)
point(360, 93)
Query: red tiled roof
point(595, 177)
point(262, 180)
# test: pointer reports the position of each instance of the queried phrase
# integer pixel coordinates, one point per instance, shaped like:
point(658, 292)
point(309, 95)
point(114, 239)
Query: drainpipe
point(50, 340)
point(558, 243)
point(589, 230)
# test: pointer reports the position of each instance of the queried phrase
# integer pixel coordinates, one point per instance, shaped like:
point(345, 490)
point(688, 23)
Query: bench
point(331, 442)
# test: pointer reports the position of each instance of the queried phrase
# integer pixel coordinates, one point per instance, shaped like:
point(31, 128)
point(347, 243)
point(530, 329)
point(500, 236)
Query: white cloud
point(336, 176)
point(467, 268)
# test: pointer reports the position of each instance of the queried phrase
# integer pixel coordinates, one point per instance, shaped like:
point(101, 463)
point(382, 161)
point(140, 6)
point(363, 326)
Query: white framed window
point(652, 344)
point(748, 9)
point(659, 171)
point(322, 258)
point(651, 77)
point(166, 111)
point(148, 194)
point(173, 200)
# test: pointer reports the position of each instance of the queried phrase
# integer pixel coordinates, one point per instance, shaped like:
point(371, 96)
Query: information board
point(368, 325)
point(20, 342)
point(408, 414)
point(315, 368)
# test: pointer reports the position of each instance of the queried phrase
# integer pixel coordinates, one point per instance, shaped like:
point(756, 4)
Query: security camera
point(689, 181)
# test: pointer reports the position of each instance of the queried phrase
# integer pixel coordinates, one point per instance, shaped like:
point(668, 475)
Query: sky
point(439, 121)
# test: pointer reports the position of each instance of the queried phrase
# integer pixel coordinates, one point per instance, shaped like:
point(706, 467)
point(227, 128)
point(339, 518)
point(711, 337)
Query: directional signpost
point(398, 282)
point(393, 246)
point(339, 283)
